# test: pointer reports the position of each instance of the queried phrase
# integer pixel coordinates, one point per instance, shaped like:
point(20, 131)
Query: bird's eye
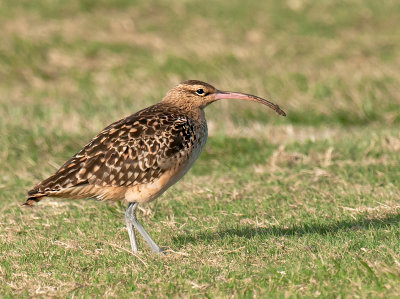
point(200, 92)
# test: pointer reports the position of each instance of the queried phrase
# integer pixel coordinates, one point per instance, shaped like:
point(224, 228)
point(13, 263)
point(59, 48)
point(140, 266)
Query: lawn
point(307, 205)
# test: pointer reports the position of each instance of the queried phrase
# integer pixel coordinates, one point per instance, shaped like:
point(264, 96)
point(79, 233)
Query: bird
point(139, 157)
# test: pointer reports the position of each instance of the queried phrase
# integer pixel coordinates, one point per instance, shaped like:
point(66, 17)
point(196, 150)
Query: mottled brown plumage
point(139, 157)
point(133, 151)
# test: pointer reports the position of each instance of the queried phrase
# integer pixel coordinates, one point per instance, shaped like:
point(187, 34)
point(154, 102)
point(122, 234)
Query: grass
point(307, 205)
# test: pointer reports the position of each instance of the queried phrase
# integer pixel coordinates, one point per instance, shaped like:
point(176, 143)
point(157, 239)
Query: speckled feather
point(135, 150)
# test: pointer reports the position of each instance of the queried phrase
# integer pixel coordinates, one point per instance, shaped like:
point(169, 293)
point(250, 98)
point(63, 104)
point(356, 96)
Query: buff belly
point(150, 191)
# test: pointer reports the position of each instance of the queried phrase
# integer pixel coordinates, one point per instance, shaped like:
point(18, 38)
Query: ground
point(307, 205)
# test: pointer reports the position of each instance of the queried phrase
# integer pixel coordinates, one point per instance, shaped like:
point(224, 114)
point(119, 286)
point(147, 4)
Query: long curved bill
point(219, 95)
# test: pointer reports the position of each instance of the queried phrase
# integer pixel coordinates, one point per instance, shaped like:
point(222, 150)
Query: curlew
point(139, 157)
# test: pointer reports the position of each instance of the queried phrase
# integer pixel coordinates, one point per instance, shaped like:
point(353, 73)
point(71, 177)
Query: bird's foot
point(159, 250)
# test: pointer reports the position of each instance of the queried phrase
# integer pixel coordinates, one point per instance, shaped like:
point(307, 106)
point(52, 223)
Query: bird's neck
point(195, 113)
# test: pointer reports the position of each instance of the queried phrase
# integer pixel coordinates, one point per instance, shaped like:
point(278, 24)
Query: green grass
point(302, 206)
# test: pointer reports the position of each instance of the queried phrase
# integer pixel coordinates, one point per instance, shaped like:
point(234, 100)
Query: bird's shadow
point(299, 230)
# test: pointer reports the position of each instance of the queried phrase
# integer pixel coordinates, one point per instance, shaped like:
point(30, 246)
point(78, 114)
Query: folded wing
point(135, 150)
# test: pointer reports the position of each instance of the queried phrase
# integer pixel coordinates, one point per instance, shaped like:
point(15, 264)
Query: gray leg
point(131, 231)
point(131, 215)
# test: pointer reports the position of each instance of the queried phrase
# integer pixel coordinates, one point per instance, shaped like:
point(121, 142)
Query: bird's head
point(193, 94)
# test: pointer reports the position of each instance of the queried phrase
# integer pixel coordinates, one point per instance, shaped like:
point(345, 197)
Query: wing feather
point(135, 150)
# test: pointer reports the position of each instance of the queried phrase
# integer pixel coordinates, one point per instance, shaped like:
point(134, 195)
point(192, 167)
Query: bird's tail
point(34, 196)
